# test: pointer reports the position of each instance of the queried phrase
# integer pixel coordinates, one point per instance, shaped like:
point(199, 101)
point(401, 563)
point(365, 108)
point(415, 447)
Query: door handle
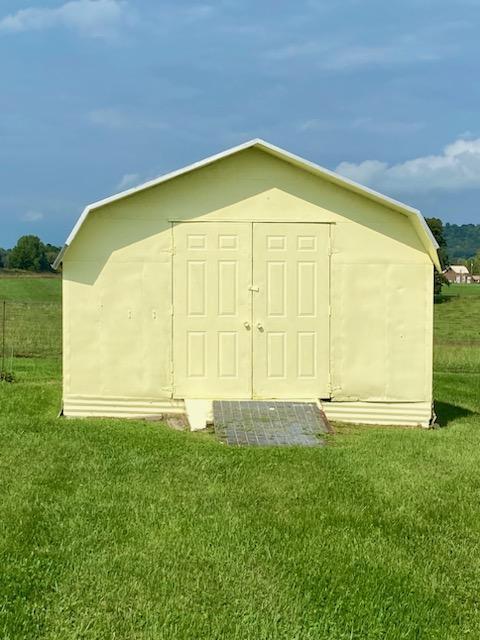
point(246, 324)
point(259, 326)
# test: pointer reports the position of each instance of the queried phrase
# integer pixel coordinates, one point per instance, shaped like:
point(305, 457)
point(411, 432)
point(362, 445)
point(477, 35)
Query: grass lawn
point(18, 286)
point(32, 314)
point(125, 529)
point(462, 290)
point(457, 329)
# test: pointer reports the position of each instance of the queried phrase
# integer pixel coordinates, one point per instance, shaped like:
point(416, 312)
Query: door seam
point(172, 315)
point(252, 302)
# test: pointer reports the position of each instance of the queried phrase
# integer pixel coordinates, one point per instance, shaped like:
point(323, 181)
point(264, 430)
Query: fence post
point(4, 315)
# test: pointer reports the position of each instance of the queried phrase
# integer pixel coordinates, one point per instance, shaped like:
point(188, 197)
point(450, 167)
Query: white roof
point(418, 220)
point(459, 268)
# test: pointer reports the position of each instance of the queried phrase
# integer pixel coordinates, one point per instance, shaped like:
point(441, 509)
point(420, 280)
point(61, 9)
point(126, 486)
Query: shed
point(251, 274)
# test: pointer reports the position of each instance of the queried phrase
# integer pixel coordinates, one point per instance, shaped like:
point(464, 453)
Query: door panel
point(291, 310)
point(212, 302)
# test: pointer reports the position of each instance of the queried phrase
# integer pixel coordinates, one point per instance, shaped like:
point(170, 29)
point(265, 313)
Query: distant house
point(458, 274)
point(476, 279)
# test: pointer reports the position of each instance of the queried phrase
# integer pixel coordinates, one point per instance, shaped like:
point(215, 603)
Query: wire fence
point(29, 330)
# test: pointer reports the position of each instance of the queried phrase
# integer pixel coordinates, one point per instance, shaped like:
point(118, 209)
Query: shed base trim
point(413, 414)
point(409, 414)
point(119, 407)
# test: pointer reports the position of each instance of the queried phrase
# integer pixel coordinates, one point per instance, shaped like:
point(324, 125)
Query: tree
point(438, 230)
point(51, 252)
point(436, 227)
point(476, 263)
point(29, 254)
point(4, 258)
point(463, 241)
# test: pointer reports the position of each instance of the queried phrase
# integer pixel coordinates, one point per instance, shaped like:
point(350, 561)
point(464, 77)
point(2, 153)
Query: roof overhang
point(418, 220)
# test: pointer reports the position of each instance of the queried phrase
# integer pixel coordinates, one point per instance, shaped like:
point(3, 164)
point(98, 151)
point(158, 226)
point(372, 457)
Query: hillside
point(463, 240)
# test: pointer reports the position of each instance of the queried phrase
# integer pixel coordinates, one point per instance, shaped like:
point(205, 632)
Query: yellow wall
point(117, 281)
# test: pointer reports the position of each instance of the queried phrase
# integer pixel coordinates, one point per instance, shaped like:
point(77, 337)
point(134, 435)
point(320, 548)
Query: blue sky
point(98, 95)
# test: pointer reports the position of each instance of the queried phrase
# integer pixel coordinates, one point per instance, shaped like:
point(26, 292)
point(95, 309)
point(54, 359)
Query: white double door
point(251, 310)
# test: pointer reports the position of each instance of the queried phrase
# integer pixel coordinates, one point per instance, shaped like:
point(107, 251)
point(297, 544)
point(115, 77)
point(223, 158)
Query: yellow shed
point(251, 274)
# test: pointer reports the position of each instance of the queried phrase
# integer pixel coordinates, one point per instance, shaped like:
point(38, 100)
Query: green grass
point(457, 329)
point(126, 529)
point(32, 329)
point(32, 314)
point(15, 287)
point(461, 290)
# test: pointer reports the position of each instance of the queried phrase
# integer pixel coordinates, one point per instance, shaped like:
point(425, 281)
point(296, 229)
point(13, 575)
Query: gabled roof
point(418, 220)
point(459, 268)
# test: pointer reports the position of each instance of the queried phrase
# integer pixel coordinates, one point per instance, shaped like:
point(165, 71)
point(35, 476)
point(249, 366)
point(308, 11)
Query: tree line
point(463, 241)
point(29, 254)
point(441, 236)
point(450, 251)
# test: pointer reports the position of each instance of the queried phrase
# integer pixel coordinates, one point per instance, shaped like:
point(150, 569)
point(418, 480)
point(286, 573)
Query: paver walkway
point(263, 423)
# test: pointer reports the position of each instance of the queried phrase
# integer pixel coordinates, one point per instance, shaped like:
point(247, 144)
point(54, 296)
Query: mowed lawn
point(32, 311)
point(33, 288)
point(126, 529)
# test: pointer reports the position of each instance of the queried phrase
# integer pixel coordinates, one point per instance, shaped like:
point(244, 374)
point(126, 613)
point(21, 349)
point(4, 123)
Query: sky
point(100, 95)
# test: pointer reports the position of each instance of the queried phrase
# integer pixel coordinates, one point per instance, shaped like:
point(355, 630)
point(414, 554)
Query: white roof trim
point(429, 240)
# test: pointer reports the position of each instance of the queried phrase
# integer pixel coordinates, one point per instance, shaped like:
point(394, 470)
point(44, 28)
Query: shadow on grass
point(447, 413)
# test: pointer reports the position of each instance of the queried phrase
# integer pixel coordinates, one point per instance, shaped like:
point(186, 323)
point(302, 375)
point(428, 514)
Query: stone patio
point(265, 423)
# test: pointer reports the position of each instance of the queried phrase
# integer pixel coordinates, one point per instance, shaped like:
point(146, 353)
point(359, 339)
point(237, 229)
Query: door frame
point(174, 222)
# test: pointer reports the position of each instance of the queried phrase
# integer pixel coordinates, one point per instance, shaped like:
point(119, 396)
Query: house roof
point(459, 268)
point(418, 220)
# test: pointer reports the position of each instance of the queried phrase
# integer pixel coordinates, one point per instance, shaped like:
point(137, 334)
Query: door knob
point(246, 324)
point(259, 326)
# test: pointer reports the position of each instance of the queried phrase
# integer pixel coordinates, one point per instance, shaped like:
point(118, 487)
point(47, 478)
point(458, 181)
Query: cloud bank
point(32, 216)
point(93, 18)
point(128, 181)
point(115, 118)
point(457, 167)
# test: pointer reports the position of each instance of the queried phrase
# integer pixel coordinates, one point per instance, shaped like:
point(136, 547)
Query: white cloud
point(94, 18)
point(297, 50)
point(114, 118)
point(374, 125)
point(338, 56)
point(457, 167)
point(32, 216)
point(110, 118)
point(315, 124)
point(367, 124)
point(342, 53)
point(400, 53)
point(198, 12)
point(129, 180)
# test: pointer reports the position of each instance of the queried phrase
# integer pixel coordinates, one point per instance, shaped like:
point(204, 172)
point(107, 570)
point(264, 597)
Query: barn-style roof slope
point(418, 220)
